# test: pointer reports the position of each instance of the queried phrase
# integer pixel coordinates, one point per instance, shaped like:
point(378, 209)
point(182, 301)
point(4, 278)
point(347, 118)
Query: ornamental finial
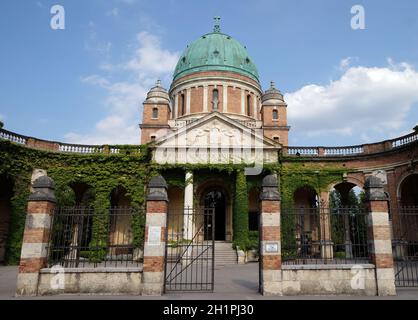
point(272, 85)
point(217, 24)
point(158, 84)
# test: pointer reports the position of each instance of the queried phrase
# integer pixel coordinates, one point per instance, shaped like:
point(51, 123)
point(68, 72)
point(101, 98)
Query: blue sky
point(86, 83)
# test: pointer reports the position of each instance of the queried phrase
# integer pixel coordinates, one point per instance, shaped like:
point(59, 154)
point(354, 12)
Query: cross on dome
point(217, 24)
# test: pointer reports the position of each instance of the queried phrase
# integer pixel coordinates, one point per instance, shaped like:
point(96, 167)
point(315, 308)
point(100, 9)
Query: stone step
point(225, 254)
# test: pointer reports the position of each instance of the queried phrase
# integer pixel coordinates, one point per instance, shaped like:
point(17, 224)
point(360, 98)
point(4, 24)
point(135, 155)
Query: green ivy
point(132, 168)
point(240, 216)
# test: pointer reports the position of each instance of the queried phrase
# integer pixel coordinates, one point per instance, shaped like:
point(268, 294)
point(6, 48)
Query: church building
point(213, 182)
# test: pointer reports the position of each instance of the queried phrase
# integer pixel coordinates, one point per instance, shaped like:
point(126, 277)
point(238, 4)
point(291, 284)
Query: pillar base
point(27, 284)
point(385, 279)
point(153, 284)
point(271, 283)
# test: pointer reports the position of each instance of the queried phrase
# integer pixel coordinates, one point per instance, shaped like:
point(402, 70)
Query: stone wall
point(115, 281)
point(328, 280)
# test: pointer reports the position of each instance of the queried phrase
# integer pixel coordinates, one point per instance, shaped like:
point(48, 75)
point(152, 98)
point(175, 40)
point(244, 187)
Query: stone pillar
point(205, 98)
point(243, 101)
point(380, 247)
point(188, 100)
point(270, 245)
point(325, 227)
point(225, 98)
point(176, 106)
point(40, 210)
point(155, 237)
point(188, 207)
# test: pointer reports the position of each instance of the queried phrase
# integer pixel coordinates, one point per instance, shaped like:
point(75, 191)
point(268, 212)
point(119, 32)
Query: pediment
point(215, 138)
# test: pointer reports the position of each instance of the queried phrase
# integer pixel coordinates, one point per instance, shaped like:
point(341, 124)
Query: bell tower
point(274, 115)
point(156, 114)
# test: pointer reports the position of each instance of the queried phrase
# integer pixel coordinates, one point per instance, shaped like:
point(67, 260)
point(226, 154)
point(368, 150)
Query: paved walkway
point(237, 282)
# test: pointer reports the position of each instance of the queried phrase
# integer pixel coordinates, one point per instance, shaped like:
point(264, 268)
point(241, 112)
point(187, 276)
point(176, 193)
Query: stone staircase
point(224, 254)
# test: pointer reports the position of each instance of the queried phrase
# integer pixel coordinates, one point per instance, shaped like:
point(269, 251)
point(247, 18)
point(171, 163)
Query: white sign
point(154, 236)
point(272, 247)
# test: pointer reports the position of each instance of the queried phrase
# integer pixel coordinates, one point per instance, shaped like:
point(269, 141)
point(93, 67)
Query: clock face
point(272, 247)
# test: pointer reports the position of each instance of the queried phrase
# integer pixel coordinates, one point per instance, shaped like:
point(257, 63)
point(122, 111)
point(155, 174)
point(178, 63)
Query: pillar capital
point(157, 189)
point(270, 187)
point(374, 190)
point(43, 190)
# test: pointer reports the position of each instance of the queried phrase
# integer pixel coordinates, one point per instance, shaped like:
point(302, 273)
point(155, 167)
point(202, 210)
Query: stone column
point(40, 210)
point(325, 226)
point(243, 101)
point(380, 247)
point(188, 207)
point(205, 98)
point(155, 237)
point(225, 98)
point(270, 244)
point(176, 105)
point(188, 100)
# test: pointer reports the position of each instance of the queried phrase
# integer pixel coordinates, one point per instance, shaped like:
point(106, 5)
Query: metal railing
point(190, 250)
point(82, 237)
point(324, 235)
point(405, 245)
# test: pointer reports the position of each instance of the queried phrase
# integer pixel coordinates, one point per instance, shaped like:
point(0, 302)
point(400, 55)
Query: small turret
point(274, 115)
point(156, 114)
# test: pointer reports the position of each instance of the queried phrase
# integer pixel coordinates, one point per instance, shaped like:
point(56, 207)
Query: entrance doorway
point(216, 199)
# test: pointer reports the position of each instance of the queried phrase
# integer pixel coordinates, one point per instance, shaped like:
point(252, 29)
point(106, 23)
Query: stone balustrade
point(11, 136)
point(346, 151)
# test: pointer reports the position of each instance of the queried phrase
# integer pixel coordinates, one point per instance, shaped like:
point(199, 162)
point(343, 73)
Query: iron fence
point(84, 237)
point(324, 235)
point(190, 250)
point(405, 245)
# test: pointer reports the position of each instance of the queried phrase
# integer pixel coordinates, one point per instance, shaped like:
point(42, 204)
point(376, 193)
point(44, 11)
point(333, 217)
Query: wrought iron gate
point(405, 246)
point(190, 250)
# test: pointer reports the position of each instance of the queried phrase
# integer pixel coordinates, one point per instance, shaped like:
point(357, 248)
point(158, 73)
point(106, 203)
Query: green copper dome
point(215, 51)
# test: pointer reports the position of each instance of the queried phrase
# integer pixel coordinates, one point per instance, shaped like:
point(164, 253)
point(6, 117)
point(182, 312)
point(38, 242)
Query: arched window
point(155, 113)
point(248, 105)
point(183, 105)
point(153, 137)
point(215, 99)
point(277, 139)
point(275, 115)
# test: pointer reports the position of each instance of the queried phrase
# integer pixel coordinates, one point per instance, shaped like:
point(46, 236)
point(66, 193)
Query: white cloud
point(364, 102)
point(346, 63)
point(124, 98)
point(150, 58)
point(96, 46)
point(113, 13)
